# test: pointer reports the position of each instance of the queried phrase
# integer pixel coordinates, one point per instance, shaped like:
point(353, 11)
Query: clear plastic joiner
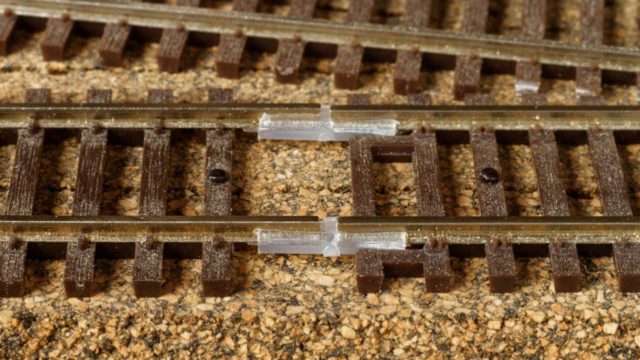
point(328, 241)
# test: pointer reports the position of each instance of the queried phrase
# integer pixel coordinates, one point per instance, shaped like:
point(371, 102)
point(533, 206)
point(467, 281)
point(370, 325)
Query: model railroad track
point(413, 46)
point(392, 246)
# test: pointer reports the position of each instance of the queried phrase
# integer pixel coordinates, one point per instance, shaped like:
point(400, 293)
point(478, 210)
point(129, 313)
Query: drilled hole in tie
point(218, 176)
point(489, 175)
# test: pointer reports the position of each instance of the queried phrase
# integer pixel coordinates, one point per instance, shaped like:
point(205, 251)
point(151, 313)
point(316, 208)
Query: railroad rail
point(412, 46)
point(394, 246)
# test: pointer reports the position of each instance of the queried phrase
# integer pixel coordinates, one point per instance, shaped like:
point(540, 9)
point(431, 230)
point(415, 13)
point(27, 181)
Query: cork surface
point(308, 306)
